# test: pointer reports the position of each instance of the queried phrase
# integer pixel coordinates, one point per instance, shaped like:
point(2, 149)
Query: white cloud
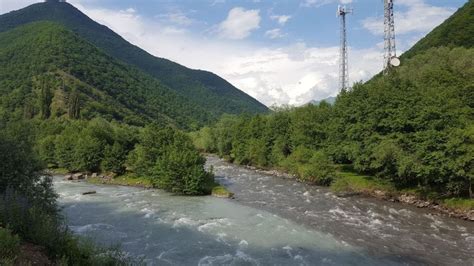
point(282, 19)
point(319, 3)
point(217, 2)
point(274, 34)
point(130, 10)
point(418, 18)
point(176, 17)
point(239, 23)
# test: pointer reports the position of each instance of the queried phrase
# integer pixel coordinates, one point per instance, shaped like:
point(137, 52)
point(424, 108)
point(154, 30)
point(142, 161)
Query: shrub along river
point(271, 221)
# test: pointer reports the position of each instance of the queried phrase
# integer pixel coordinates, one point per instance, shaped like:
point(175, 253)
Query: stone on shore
point(78, 176)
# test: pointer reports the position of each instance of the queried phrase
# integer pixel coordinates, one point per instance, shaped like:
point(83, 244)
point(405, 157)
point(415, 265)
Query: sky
point(280, 52)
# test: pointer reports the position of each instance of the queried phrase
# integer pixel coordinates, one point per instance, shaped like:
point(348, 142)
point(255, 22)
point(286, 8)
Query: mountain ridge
point(44, 65)
point(203, 87)
point(456, 31)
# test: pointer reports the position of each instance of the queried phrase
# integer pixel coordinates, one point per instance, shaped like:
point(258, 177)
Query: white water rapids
point(272, 221)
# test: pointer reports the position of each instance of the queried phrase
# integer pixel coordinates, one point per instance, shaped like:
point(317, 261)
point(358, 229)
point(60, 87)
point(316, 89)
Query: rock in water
point(78, 176)
point(89, 193)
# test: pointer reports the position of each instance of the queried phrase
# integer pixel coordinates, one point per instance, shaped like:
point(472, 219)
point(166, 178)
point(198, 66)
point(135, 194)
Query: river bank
point(353, 185)
point(133, 181)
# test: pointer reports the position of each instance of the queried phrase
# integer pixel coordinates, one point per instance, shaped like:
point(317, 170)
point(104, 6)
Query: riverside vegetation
point(409, 132)
point(29, 214)
point(163, 156)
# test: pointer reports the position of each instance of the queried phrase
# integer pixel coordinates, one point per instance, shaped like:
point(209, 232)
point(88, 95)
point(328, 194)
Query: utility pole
point(342, 11)
point(390, 54)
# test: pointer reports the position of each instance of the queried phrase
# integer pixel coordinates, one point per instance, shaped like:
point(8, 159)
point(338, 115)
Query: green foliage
point(114, 158)
point(221, 191)
point(204, 140)
point(56, 73)
point(86, 77)
point(182, 172)
point(412, 128)
point(124, 180)
point(88, 153)
point(20, 168)
point(9, 245)
point(456, 31)
point(459, 204)
point(349, 182)
point(319, 170)
point(169, 158)
point(28, 203)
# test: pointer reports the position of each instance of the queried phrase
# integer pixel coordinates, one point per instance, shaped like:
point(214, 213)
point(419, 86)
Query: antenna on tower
point(342, 11)
point(390, 55)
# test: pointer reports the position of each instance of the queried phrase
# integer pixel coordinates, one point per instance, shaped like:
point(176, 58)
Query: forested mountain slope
point(48, 71)
point(456, 31)
point(204, 88)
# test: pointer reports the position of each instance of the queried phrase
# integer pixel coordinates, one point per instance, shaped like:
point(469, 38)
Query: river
point(271, 221)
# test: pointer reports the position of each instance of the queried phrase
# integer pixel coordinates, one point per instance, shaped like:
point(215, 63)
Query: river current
point(271, 221)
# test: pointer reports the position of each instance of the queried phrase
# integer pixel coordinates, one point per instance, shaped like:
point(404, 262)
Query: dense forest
point(48, 71)
point(200, 88)
point(413, 128)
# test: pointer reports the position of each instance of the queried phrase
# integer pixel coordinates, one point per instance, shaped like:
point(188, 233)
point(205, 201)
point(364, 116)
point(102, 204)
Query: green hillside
point(456, 31)
point(204, 88)
point(48, 71)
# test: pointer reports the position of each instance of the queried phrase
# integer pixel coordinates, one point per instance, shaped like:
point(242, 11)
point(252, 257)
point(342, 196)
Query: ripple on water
point(240, 258)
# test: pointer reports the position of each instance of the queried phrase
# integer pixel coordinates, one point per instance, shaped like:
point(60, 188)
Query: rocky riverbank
point(420, 203)
point(403, 198)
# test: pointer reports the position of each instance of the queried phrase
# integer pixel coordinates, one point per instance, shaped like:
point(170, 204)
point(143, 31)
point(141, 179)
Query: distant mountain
point(47, 70)
point(330, 100)
point(205, 89)
point(456, 31)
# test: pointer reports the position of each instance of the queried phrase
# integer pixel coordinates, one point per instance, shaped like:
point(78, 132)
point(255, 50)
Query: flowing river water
point(271, 221)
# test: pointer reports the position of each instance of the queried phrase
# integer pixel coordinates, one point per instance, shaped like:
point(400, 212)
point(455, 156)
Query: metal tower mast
point(343, 59)
point(390, 55)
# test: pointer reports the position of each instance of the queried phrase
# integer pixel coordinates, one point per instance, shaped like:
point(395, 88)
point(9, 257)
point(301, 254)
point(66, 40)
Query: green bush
point(9, 246)
point(114, 159)
point(88, 153)
point(319, 170)
point(182, 172)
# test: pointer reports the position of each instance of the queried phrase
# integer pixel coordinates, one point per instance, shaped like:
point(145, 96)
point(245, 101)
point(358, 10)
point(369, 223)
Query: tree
point(182, 172)
point(74, 110)
point(88, 153)
point(114, 158)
